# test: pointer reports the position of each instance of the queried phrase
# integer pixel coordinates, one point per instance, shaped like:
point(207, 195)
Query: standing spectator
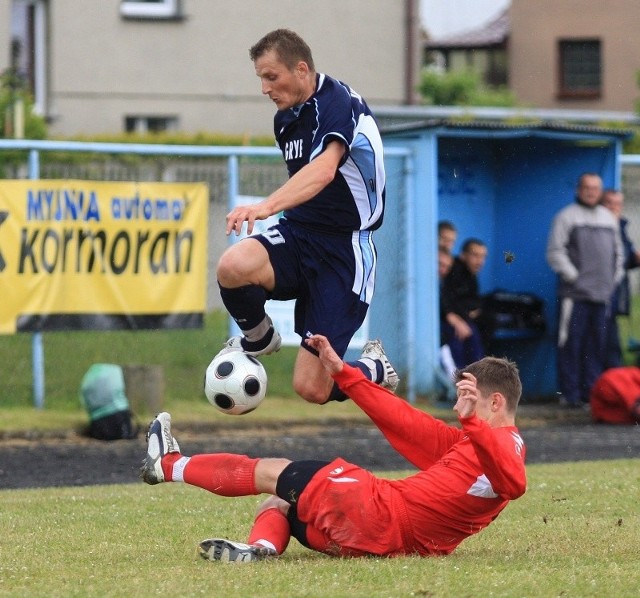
point(321, 253)
point(585, 250)
point(447, 235)
point(621, 300)
point(462, 304)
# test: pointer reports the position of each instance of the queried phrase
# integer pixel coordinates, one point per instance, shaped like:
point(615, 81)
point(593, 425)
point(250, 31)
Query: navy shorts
point(331, 277)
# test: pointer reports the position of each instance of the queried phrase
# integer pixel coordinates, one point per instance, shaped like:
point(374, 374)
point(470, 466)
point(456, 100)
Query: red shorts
point(350, 512)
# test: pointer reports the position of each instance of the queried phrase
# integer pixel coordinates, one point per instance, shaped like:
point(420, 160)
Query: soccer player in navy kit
point(321, 252)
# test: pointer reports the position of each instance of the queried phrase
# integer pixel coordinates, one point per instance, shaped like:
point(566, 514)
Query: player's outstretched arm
point(329, 358)
point(301, 187)
point(416, 435)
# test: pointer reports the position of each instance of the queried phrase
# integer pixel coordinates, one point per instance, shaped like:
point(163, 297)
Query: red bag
point(615, 397)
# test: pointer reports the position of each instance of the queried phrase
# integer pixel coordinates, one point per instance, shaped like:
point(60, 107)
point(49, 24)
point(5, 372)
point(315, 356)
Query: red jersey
point(467, 476)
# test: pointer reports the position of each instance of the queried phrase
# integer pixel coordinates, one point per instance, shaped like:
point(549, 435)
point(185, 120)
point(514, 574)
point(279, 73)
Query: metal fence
point(232, 171)
point(229, 172)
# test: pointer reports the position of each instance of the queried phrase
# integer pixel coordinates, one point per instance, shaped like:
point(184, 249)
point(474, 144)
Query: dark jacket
point(622, 296)
point(460, 291)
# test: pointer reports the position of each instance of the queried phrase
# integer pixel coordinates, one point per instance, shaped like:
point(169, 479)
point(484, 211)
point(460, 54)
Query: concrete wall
point(103, 67)
point(536, 28)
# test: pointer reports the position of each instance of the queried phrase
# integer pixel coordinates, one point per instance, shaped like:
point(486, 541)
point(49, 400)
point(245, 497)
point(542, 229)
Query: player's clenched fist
point(467, 391)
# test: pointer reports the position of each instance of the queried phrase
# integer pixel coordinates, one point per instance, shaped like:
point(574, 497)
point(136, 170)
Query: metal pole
point(232, 194)
point(37, 345)
point(411, 276)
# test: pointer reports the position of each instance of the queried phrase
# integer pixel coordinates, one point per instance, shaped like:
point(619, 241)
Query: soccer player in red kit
point(466, 475)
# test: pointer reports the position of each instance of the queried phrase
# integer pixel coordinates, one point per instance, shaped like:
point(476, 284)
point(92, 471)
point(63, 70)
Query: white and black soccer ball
point(235, 383)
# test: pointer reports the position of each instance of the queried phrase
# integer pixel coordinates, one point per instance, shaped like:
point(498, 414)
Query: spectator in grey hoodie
point(585, 250)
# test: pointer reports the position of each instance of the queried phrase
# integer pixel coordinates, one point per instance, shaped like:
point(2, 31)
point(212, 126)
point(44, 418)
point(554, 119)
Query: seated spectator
point(445, 263)
point(461, 304)
point(615, 397)
point(446, 366)
point(447, 235)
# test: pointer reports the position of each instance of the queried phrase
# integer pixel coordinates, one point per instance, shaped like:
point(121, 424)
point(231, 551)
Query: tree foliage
point(13, 90)
point(461, 88)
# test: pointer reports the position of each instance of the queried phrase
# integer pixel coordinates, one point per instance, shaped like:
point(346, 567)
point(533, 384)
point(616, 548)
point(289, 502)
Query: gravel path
point(71, 460)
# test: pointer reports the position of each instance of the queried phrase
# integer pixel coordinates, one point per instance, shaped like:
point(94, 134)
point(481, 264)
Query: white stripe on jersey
point(363, 171)
point(365, 259)
point(519, 442)
point(482, 488)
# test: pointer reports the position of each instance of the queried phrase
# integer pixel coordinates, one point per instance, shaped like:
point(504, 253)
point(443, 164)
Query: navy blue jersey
point(354, 200)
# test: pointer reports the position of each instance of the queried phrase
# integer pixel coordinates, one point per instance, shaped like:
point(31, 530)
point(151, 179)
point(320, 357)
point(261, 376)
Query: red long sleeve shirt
point(467, 476)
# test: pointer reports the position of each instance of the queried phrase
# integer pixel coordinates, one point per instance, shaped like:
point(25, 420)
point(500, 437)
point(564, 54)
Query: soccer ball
point(235, 383)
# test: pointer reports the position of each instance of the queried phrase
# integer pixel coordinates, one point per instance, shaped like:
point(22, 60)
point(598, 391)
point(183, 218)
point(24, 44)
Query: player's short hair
point(446, 225)
point(585, 175)
point(288, 45)
point(496, 374)
point(469, 243)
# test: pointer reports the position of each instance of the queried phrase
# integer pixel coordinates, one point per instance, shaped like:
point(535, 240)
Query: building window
point(150, 9)
point(580, 68)
point(150, 124)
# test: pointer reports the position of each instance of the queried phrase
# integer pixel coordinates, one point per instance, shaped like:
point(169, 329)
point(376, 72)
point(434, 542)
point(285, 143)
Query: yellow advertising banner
point(102, 255)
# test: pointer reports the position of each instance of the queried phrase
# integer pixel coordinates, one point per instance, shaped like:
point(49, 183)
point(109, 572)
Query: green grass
point(574, 533)
point(629, 328)
point(183, 354)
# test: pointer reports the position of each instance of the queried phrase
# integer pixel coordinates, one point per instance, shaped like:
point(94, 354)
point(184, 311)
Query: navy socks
point(245, 305)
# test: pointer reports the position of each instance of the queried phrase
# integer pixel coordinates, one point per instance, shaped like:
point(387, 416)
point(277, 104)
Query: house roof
point(493, 33)
point(504, 128)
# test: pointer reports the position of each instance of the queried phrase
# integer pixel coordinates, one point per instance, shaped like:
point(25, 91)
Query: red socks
point(223, 474)
point(226, 474)
point(271, 527)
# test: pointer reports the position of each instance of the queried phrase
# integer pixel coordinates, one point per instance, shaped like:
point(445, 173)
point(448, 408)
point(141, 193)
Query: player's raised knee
point(233, 269)
point(311, 394)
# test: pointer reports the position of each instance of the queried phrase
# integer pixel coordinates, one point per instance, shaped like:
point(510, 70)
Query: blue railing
point(232, 153)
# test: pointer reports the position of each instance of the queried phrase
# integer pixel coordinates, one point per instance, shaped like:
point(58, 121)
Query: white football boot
point(375, 351)
point(227, 551)
point(159, 443)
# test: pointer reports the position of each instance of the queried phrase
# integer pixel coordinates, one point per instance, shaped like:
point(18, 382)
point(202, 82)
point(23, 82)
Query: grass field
point(183, 355)
point(574, 533)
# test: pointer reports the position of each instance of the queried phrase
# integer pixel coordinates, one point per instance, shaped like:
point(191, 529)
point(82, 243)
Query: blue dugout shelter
point(502, 184)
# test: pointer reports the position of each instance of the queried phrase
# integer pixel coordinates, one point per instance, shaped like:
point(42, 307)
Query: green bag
point(102, 392)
